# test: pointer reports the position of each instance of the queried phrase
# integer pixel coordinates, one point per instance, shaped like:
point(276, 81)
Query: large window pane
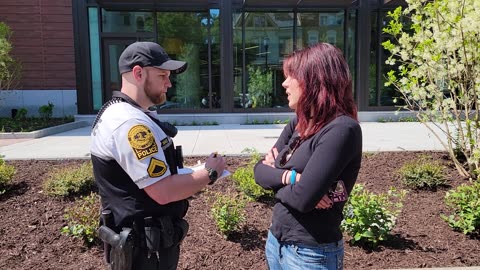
point(126, 21)
point(268, 38)
point(240, 100)
point(379, 94)
point(351, 45)
point(314, 27)
point(214, 78)
point(372, 69)
point(95, 58)
point(184, 35)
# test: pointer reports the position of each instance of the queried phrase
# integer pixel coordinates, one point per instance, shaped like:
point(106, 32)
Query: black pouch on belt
point(162, 232)
point(159, 233)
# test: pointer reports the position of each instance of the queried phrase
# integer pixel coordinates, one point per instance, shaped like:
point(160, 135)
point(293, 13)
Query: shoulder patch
point(156, 168)
point(142, 141)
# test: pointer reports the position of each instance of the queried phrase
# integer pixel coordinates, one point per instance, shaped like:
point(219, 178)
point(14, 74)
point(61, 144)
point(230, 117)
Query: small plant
point(228, 213)
point(46, 111)
point(6, 175)
point(368, 217)
point(82, 219)
point(21, 114)
point(70, 181)
point(465, 203)
point(422, 173)
point(245, 180)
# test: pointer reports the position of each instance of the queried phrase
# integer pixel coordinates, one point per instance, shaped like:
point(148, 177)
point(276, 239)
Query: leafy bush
point(6, 174)
point(10, 69)
point(368, 217)
point(423, 173)
point(260, 87)
point(83, 219)
point(435, 66)
point(70, 181)
point(465, 203)
point(46, 111)
point(21, 114)
point(228, 213)
point(245, 180)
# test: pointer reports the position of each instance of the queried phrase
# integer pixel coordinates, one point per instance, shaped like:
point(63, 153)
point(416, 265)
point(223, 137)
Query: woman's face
point(293, 91)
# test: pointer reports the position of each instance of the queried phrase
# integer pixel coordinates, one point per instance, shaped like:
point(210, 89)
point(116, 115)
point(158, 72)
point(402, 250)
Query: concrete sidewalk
point(228, 139)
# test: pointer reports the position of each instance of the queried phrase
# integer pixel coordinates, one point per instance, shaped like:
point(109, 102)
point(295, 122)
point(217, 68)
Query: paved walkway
point(226, 139)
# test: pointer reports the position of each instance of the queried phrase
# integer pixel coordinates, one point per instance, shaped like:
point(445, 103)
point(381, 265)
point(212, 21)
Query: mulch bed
point(30, 235)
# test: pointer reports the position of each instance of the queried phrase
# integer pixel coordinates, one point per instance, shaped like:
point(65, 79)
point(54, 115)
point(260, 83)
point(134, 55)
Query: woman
point(315, 162)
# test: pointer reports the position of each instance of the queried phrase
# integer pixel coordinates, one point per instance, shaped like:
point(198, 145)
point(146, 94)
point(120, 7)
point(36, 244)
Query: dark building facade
point(234, 48)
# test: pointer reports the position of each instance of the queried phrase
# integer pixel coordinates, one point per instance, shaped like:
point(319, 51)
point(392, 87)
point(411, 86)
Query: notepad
point(189, 170)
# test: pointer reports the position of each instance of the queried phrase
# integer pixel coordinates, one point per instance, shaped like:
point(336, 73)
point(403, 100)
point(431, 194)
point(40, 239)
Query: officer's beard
point(152, 93)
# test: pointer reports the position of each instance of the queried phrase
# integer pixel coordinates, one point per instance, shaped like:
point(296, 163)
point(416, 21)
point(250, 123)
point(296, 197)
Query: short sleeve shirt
point(127, 135)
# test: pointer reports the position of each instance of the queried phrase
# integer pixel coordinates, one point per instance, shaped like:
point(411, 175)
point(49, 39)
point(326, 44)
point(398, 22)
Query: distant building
point(69, 50)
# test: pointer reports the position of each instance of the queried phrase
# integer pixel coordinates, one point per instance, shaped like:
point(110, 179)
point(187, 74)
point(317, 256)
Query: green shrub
point(46, 111)
point(228, 213)
point(21, 114)
point(423, 173)
point(465, 203)
point(10, 68)
point(6, 175)
point(368, 217)
point(70, 181)
point(83, 219)
point(244, 178)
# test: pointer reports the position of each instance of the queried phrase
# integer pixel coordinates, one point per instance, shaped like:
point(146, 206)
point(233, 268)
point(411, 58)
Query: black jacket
point(332, 154)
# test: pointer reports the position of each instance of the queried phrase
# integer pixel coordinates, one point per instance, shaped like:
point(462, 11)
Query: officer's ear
point(137, 72)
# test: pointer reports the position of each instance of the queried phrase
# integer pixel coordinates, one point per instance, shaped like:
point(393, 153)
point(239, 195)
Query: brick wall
point(43, 41)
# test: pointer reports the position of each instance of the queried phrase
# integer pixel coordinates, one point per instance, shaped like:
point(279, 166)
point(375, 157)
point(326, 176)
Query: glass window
point(268, 38)
point(95, 58)
point(351, 43)
point(379, 94)
point(320, 27)
point(126, 21)
point(372, 68)
point(185, 36)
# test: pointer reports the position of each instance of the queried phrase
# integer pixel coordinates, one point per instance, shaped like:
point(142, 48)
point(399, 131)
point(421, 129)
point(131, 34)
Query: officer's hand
point(217, 162)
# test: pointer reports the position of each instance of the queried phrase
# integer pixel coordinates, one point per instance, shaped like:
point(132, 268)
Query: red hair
point(326, 84)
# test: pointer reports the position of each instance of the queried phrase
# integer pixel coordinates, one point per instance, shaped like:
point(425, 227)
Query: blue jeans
point(286, 256)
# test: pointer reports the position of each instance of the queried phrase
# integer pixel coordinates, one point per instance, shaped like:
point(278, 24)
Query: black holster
point(118, 248)
point(120, 252)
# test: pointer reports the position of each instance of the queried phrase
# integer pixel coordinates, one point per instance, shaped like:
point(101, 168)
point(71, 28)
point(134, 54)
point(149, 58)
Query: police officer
point(135, 165)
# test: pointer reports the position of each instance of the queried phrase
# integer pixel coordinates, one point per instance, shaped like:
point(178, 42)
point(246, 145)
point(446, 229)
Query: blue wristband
point(292, 177)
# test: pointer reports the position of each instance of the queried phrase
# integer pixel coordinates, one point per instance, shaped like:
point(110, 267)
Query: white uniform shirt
point(126, 134)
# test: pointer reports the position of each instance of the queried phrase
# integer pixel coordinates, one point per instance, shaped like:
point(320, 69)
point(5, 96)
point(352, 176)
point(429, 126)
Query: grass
point(31, 124)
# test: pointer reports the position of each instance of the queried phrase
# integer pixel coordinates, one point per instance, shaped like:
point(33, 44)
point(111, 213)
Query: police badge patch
point(156, 168)
point(142, 141)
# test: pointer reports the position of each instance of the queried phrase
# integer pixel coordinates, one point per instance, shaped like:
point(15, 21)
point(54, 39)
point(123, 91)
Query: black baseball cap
point(148, 54)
